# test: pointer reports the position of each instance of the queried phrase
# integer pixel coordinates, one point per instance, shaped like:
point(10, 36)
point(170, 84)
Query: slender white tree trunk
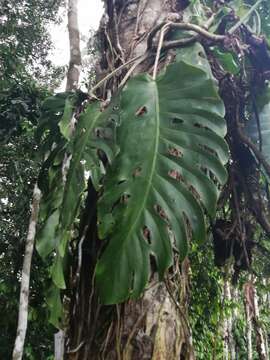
point(75, 61)
point(25, 281)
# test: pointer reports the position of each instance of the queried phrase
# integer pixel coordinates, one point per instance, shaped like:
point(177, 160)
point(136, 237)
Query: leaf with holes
point(169, 170)
point(64, 188)
point(95, 132)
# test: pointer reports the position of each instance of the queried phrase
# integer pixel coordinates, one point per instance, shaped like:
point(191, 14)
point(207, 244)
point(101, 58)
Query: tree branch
point(184, 26)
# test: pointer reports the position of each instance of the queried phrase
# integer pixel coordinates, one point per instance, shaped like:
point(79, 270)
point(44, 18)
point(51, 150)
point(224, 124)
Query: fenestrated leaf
point(263, 108)
point(56, 111)
point(62, 195)
point(168, 171)
point(95, 132)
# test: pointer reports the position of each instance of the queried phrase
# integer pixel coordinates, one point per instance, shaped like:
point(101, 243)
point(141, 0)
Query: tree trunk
point(260, 341)
point(248, 311)
point(229, 345)
point(25, 281)
point(252, 311)
point(156, 326)
point(75, 61)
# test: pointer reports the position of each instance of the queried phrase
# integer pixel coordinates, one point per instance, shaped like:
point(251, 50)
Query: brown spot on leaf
point(124, 198)
point(176, 175)
point(137, 172)
point(176, 121)
point(209, 149)
point(147, 234)
point(161, 212)
point(175, 152)
point(194, 192)
point(141, 111)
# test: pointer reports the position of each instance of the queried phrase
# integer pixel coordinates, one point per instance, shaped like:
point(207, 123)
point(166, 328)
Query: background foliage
point(27, 77)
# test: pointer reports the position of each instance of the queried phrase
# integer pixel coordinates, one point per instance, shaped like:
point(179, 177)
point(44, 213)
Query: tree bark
point(248, 311)
point(156, 326)
point(229, 345)
point(73, 74)
point(25, 280)
point(252, 311)
point(260, 341)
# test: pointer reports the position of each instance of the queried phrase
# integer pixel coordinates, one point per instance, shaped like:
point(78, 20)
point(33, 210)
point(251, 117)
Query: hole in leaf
point(153, 263)
point(121, 182)
point(102, 156)
point(209, 150)
point(137, 172)
point(98, 133)
point(201, 54)
point(200, 126)
point(177, 121)
point(103, 133)
point(141, 111)
point(161, 213)
point(124, 198)
point(147, 234)
point(194, 192)
point(187, 226)
point(175, 152)
point(211, 175)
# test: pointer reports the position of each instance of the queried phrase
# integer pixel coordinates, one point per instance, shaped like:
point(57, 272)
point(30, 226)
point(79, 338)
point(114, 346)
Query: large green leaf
point(169, 170)
point(95, 132)
point(63, 188)
point(56, 111)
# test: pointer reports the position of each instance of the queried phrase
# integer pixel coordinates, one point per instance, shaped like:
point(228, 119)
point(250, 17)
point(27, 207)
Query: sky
point(89, 15)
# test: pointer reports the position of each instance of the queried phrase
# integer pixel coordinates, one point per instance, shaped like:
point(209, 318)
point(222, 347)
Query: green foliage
point(169, 133)
point(25, 42)
point(63, 188)
point(24, 46)
point(20, 109)
point(206, 311)
point(170, 139)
